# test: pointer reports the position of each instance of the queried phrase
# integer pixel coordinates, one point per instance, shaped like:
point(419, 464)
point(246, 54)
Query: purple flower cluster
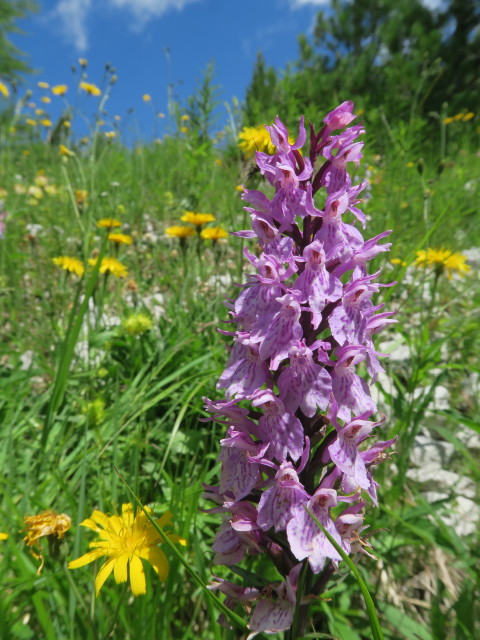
point(297, 412)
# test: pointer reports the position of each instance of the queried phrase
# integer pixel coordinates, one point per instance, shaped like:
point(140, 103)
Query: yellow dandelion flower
point(67, 124)
point(46, 99)
point(39, 112)
point(197, 218)
point(90, 88)
point(110, 135)
point(214, 233)
point(3, 536)
point(448, 120)
point(179, 231)
point(46, 122)
point(71, 265)
point(65, 151)
point(184, 129)
point(185, 118)
point(31, 122)
point(111, 265)
point(59, 90)
point(125, 540)
point(4, 90)
point(468, 116)
point(26, 152)
point(240, 188)
point(398, 261)
point(120, 238)
point(458, 116)
point(146, 97)
point(81, 197)
point(43, 85)
point(252, 139)
point(108, 223)
point(46, 524)
point(218, 162)
point(443, 260)
point(410, 164)
point(137, 323)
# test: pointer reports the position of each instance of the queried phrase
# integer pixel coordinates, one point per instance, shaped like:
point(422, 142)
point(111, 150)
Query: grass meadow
point(102, 377)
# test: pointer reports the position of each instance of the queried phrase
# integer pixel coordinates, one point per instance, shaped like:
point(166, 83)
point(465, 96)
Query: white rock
point(433, 478)
point(427, 452)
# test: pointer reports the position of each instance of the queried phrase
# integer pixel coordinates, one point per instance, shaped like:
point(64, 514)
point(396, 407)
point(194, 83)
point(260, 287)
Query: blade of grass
point(377, 633)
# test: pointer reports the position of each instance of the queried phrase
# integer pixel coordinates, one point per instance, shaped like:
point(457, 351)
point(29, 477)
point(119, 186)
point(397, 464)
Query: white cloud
point(73, 17)
point(145, 10)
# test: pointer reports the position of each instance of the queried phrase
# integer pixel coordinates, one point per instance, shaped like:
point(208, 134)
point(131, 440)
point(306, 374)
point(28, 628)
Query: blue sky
point(133, 34)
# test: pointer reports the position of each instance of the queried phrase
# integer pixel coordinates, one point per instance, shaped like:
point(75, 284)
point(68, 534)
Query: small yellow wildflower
point(398, 261)
point(81, 196)
point(109, 135)
point(3, 536)
point(59, 90)
point(125, 541)
point(82, 62)
point(90, 88)
point(26, 152)
point(43, 85)
point(468, 116)
point(448, 120)
point(459, 116)
point(252, 139)
point(185, 117)
point(3, 193)
point(218, 162)
point(137, 323)
point(108, 223)
point(4, 90)
point(71, 265)
point(31, 122)
point(45, 99)
point(65, 151)
point(443, 260)
point(184, 129)
point(214, 233)
point(120, 238)
point(240, 188)
point(197, 218)
point(35, 191)
point(410, 164)
point(111, 265)
point(46, 122)
point(46, 524)
point(40, 180)
point(146, 97)
point(39, 112)
point(67, 124)
point(51, 189)
point(178, 231)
